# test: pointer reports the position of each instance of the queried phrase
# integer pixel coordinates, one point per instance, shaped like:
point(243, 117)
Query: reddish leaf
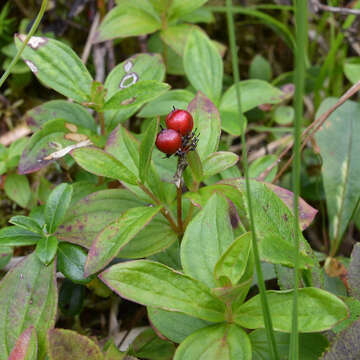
point(67, 344)
point(26, 346)
point(306, 212)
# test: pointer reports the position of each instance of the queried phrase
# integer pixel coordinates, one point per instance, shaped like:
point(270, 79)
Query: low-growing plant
point(159, 214)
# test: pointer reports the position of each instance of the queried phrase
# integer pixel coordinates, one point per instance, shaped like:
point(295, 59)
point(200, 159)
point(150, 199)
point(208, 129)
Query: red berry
point(180, 120)
point(168, 141)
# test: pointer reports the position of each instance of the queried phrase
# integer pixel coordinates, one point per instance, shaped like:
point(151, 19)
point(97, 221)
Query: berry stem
point(179, 209)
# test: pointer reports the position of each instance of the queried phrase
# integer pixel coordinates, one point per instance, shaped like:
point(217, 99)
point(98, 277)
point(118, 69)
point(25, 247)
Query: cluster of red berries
point(178, 138)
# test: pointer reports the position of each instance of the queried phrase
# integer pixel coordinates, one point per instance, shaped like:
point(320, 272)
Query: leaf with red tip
point(306, 212)
point(67, 344)
point(28, 297)
point(26, 346)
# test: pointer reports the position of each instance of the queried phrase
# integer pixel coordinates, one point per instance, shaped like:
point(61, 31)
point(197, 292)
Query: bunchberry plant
point(172, 233)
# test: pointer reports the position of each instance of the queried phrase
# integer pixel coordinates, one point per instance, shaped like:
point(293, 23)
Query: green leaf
point(28, 297)
point(271, 214)
point(200, 15)
point(340, 165)
point(26, 223)
point(16, 236)
point(26, 346)
point(222, 341)
point(98, 162)
point(17, 188)
point(46, 249)
point(218, 162)
point(153, 284)
point(232, 264)
point(116, 235)
point(71, 262)
point(207, 122)
point(206, 238)
point(71, 298)
point(354, 308)
point(284, 115)
point(123, 146)
point(252, 94)
point(149, 346)
point(68, 344)
point(155, 237)
point(133, 18)
point(136, 94)
point(55, 135)
point(276, 250)
point(203, 65)
point(170, 256)
point(173, 325)
point(57, 205)
point(6, 253)
point(60, 109)
point(352, 69)
point(179, 8)
point(306, 212)
point(162, 105)
point(57, 66)
point(259, 165)
point(113, 353)
point(260, 69)
point(90, 215)
point(139, 67)
point(146, 148)
point(319, 310)
point(311, 346)
point(195, 165)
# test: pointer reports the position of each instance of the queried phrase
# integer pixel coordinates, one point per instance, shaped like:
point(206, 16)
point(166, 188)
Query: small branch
point(15, 134)
point(90, 38)
point(338, 10)
point(307, 133)
point(163, 210)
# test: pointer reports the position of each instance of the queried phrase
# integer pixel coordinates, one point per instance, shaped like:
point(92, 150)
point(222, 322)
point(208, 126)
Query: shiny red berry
point(180, 120)
point(168, 141)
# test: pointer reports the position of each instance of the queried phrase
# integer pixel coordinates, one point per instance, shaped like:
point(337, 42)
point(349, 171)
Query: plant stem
point(179, 209)
point(29, 35)
point(300, 53)
point(102, 122)
point(163, 210)
point(261, 283)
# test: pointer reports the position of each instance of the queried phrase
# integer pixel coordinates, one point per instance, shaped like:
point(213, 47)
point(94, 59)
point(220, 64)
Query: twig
point(164, 211)
point(90, 38)
point(270, 148)
point(15, 134)
point(306, 135)
point(317, 5)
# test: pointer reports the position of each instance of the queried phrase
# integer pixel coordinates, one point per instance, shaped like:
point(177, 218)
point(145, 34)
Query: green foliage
point(107, 210)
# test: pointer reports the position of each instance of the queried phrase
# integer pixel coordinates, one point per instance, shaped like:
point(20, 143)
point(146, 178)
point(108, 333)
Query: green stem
point(29, 35)
point(300, 53)
point(261, 283)
point(165, 212)
point(179, 209)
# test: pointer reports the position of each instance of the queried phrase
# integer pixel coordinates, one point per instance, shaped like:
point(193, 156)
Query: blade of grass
point(276, 25)
point(29, 35)
point(261, 283)
point(300, 53)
